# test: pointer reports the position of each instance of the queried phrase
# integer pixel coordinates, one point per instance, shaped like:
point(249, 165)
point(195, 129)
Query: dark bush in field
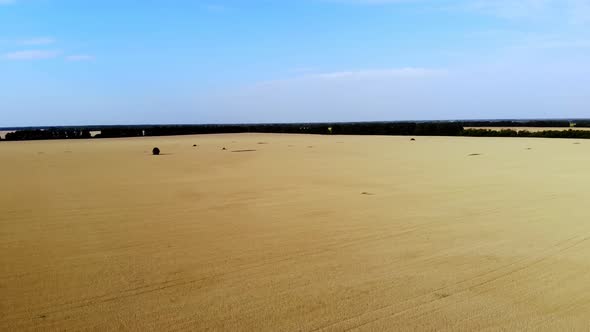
point(156, 152)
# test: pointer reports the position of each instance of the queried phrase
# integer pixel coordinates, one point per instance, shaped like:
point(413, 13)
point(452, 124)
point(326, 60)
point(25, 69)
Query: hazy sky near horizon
point(69, 62)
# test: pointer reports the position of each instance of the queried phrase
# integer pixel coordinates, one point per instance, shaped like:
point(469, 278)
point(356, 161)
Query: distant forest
point(433, 128)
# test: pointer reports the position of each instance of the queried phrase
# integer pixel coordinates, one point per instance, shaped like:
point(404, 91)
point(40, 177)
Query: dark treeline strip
point(401, 128)
point(527, 123)
point(570, 133)
point(439, 128)
point(38, 134)
point(121, 132)
point(377, 128)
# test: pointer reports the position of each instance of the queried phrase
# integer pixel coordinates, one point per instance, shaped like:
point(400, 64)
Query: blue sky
point(68, 62)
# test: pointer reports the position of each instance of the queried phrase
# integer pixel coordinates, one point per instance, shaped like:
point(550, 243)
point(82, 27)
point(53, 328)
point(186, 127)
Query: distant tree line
point(120, 132)
point(47, 134)
point(570, 133)
point(375, 128)
point(400, 128)
point(433, 128)
point(584, 123)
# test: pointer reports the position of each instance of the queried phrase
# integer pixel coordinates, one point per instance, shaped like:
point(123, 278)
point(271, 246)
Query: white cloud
point(80, 57)
point(38, 41)
point(31, 55)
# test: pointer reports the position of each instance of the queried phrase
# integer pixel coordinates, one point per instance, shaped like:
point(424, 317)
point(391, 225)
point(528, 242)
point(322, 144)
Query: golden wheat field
point(295, 233)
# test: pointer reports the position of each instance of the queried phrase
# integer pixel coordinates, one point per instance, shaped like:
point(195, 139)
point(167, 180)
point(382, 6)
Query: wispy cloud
point(7, 2)
point(581, 11)
point(512, 9)
point(408, 72)
point(215, 8)
point(80, 57)
point(366, 75)
point(574, 11)
point(38, 41)
point(557, 44)
point(300, 70)
point(373, 2)
point(578, 10)
point(32, 55)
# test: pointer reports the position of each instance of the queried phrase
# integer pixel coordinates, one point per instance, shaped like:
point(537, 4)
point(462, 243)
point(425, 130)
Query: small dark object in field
point(577, 143)
point(224, 148)
point(367, 193)
point(244, 151)
point(194, 145)
point(529, 148)
point(262, 143)
point(310, 147)
point(413, 139)
point(156, 152)
point(475, 154)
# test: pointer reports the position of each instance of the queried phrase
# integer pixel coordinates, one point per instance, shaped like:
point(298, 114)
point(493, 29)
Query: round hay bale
point(156, 152)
